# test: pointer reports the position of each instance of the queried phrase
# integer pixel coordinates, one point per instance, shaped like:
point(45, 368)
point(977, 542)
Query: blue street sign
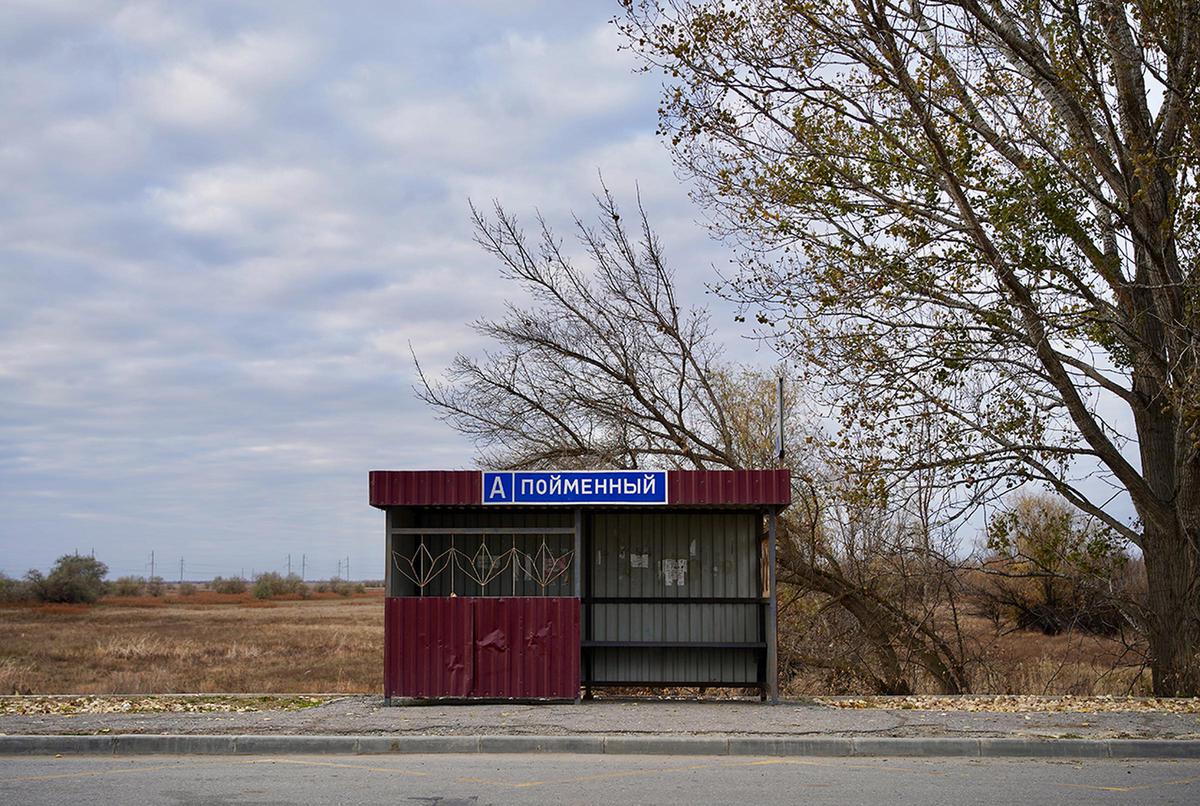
point(575, 487)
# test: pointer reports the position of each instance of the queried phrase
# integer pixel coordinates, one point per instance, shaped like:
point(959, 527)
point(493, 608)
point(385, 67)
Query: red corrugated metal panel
point(427, 647)
point(426, 488)
point(527, 647)
point(464, 646)
point(729, 487)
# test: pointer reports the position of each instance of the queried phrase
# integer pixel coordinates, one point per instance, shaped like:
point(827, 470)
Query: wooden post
point(772, 613)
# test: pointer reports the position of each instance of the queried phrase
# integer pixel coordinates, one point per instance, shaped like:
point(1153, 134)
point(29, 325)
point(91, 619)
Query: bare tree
point(605, 368)
point(987, 210)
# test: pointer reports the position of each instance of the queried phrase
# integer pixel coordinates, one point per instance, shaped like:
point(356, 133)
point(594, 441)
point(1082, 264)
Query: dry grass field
point(1022, 662)
point(203, 643)
point(212, 642)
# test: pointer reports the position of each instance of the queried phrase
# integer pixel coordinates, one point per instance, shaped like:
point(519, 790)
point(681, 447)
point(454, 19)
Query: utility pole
point(289, 565)
point(780, 445)
point(180, 570)
point(348, 567)
point(339, 573)
point(303, 563)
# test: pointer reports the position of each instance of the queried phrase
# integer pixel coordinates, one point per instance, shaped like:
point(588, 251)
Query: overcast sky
point(222, 225)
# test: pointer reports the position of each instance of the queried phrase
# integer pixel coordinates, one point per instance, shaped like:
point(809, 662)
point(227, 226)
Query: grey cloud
point(227, 225)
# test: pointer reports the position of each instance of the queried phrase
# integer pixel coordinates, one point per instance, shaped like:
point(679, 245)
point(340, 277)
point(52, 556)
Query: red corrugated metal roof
point(729, 487)
point(426, 488)
point(684, 488)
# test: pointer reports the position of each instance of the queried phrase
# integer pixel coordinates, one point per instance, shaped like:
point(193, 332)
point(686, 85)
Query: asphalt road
point(564, 779)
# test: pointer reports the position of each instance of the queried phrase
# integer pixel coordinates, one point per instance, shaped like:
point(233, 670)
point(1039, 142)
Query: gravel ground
point(368, 715)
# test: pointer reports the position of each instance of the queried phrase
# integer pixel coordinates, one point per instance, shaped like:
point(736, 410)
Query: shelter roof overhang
point(683, 488)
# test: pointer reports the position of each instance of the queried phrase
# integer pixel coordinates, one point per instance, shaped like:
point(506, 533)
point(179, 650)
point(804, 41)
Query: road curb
point(826, 746)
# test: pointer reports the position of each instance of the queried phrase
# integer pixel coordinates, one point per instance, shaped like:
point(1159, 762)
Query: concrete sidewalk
point(365, 715)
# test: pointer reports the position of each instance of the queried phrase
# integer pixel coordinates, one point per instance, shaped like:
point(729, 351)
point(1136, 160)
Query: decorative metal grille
point(542, 566)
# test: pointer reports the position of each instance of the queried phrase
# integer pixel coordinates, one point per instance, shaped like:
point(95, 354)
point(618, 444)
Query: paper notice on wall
point(639, 560)
point(674, 572)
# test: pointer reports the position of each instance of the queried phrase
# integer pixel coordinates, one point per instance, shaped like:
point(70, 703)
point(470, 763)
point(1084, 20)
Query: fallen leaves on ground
point(1019, 703)
point(66, 706)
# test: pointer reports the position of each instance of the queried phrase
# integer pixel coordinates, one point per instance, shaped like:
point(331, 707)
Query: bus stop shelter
point(540, 584)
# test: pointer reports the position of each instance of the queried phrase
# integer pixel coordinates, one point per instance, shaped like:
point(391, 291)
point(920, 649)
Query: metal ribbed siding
point(523, 648)
point(527, 647)
point(427, 647)
point(720, 551)
point(425, 487)
point(729, 487)
point(750, 488)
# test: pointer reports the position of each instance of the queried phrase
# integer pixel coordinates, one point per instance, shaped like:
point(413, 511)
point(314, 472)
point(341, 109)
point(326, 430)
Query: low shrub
point(74, 579)
point(127, 586)
point(187, 589)
point(14, 590)
point(1053, 570)
point(340, 586)
point(155, 586)
point(272, 584)
point(230, 585)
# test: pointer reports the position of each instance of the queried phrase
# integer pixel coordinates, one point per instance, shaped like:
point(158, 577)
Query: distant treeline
point(81, 579)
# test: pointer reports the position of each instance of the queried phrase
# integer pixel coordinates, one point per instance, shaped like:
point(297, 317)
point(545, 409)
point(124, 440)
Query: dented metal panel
point(428, 647)
point(467, 646)
point(526, 647)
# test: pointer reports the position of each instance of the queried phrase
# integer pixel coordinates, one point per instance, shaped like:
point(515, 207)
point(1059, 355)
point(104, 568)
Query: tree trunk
point(1174, 625)
point(1171, 548)
point(1168, 448)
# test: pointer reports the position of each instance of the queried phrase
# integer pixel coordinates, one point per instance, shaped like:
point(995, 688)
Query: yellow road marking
point(95, 773)
point(1135, 787)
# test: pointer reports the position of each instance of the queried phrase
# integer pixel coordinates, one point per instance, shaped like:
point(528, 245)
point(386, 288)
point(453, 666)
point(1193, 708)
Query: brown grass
point(1017, 662)
point(213, 642)
point(193, 644)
